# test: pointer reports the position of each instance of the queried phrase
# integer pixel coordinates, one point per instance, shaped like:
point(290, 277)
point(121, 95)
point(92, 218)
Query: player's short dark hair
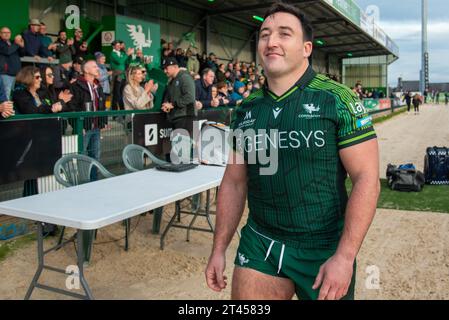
point(306, 25)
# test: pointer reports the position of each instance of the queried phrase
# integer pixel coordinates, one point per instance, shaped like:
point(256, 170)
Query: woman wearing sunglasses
point(25, 96)
point(47, 92)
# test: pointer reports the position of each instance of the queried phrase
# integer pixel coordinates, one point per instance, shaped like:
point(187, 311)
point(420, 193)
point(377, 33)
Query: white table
point(101, 203)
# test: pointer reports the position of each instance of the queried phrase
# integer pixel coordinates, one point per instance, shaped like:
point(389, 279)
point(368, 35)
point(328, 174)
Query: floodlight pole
point(424, 78)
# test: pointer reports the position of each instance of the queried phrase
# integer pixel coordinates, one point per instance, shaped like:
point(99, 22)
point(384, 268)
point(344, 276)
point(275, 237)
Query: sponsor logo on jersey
point(364, 122)
point(311, 110)
point(276, 112)
point(251, 142)
point(247, 120)
point(357, 108)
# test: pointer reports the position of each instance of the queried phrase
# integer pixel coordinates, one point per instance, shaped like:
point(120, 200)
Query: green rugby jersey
point(303, 203)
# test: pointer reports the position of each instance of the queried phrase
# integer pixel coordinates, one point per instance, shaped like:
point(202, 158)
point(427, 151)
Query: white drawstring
point(270, 247)
point(281, 257)
point(269, 250)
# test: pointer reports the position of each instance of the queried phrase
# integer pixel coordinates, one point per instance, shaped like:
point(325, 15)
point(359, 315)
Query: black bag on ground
point(436, 165)
point(404, 179)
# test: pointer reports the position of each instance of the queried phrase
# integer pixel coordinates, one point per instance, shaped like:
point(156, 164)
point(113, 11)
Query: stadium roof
point(341, 27)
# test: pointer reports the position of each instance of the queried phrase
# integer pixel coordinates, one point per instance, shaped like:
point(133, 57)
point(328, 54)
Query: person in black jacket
point(25, 97)
point(47, 92)
point(408, 100)
point(10, 54)
point(203, 89)
point(88, 96)
point(80, 45)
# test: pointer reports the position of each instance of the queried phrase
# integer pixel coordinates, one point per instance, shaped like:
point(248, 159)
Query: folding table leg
point(61, 236)
point(87, 236)
point(127, 232)
point(196, 202)
point(40, 257)
point(81, 259)
point(157, 217)
point(206, 211)
point(177, 211)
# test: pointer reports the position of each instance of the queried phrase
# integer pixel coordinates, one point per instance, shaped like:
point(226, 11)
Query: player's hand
point(334, 278)
point(215, 278)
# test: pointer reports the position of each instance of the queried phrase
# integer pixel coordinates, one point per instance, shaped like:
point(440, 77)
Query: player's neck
point(281, 84)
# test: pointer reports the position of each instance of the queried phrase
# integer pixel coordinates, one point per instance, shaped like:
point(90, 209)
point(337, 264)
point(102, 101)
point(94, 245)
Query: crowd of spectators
point(367, 94)
point(124, 81)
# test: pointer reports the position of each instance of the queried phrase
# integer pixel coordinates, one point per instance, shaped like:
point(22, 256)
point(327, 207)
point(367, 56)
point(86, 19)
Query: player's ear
point(308, 48)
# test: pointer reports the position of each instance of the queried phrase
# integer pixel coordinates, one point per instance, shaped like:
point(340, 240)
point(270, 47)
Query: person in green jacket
point(118, 62)
point(179, 99)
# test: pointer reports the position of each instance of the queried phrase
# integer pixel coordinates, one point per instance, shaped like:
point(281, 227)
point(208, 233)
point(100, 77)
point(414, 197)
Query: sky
point(401, 20)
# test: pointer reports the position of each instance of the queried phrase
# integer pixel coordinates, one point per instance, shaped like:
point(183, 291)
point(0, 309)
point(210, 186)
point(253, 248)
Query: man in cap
point(33, 44)
point(76, 69)
point(62, 73)
point(105, 74)
point(179, 99)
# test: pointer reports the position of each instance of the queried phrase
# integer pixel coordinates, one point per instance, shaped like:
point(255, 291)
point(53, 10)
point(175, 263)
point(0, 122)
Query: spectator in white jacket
point(135, 96)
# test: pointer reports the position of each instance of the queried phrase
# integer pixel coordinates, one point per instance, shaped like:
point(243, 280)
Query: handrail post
point(79, 132)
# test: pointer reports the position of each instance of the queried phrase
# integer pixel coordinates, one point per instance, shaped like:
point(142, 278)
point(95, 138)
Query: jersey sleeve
point(354, 123)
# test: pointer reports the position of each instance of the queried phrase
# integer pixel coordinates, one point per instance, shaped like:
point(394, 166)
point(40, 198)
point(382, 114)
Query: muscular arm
point(362, 164)
point(231, 202)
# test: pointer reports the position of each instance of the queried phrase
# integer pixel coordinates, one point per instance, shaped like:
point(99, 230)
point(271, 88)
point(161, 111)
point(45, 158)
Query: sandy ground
point(410, 250)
